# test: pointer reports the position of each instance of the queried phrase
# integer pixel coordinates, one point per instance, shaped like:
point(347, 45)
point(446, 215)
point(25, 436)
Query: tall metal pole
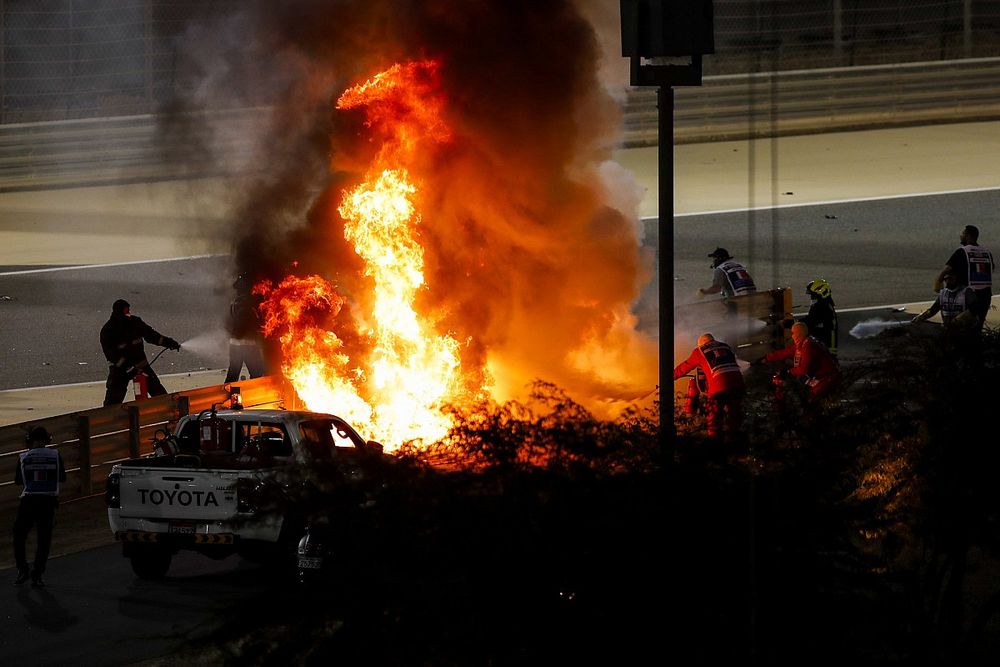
point(665, 265)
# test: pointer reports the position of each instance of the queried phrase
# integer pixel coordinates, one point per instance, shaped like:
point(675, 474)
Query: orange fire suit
point(812, 362)
point(726, 389)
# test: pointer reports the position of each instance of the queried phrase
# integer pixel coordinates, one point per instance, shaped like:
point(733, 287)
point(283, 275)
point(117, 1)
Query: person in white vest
point(729, 276)
point(40, 471)
point(956, 303)
point(973, 267)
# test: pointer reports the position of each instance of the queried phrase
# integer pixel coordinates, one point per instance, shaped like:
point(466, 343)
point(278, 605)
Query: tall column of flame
point(397, 392)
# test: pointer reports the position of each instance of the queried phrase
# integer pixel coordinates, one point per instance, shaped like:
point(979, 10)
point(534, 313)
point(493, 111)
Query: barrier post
point(83, 436)
point(133, 432)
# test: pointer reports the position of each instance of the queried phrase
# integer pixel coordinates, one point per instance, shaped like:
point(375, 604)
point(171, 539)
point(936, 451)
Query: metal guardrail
point(137, 149)
point(91, 441)
point(735, 107)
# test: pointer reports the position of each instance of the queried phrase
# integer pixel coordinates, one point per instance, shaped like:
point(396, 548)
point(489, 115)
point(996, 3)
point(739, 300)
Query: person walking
point(244, 332)
point(956, 303)
point(40, 471)
point(822, 316)
point(812, 363)
point(973, 267)
point(121, 340)
point(726, 389)
point(729, 276)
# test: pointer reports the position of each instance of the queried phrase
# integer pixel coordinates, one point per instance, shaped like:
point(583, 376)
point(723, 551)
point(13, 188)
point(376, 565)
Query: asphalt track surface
point(50, 320)
point(93, 610)
point(875, 253)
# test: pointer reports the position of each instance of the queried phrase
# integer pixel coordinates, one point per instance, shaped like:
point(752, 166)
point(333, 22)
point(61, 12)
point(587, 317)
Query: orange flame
point(396, 393)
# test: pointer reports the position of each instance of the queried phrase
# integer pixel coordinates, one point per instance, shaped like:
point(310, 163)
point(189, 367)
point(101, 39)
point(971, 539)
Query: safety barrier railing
point(741, 106)
point(91, 441)
point(751, 323)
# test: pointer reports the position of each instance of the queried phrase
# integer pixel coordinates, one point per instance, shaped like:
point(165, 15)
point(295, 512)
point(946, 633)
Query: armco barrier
point(91, 441)
point(752, 323)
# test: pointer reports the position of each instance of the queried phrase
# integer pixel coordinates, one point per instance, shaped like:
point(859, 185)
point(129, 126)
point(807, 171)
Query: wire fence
point(70, 59)
point(780, 35)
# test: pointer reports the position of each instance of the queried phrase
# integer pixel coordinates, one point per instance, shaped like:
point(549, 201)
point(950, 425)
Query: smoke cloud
point(532, 242)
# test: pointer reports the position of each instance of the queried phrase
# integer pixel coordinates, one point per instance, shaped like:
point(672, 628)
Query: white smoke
point(874, 327)
point(212, 345)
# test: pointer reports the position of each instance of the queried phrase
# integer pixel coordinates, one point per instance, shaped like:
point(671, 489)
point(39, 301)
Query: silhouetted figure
point(121, 340)
point(39, 471)
point(973, 267)
point(244, 331)
point(822, 316)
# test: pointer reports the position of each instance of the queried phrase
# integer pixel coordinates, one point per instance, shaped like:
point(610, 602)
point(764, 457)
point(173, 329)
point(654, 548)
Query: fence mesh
point(66, 59)
point(770, 35)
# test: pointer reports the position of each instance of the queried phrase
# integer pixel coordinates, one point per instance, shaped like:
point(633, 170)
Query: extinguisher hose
point(156, 357)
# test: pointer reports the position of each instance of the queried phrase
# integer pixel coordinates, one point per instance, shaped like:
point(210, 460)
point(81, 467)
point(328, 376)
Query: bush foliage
point(864, 530)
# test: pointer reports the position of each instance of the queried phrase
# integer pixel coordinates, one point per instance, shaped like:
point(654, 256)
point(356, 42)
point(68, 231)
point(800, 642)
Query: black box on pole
point(667, 28)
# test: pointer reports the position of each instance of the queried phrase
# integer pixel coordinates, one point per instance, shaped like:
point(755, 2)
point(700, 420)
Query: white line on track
point(78, 267)
point(829, 202)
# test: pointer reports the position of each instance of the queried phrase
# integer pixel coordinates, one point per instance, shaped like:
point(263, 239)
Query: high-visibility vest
point(980, 263)
point(720, 357)
point(738, 277)
point(40, 472)
point(953, 302)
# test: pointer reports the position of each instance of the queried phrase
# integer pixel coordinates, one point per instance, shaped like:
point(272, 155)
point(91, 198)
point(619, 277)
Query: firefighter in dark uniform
point(40, 471)
point(822, 316)
point(121, 340)
point(244, 332)
point(973, 267)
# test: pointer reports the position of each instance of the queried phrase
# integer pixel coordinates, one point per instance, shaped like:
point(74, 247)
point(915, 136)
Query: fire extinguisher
point(139, 388)
point(212, 430)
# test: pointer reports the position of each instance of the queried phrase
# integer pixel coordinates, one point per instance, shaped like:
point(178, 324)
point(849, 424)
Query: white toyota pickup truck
point(201, 488)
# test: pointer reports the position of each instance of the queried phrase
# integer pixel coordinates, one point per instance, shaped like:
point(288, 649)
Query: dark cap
point(720, 253)
point(119, 306)
point(38, 434)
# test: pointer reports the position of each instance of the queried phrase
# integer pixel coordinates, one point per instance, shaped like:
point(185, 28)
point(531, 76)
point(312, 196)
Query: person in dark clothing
point(121, 340)
point(822, 316)
point(244, 332)
point(40, 471)
point(973, 266)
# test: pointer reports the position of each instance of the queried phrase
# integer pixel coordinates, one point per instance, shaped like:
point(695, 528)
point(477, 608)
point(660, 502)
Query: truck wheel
point(150, 563)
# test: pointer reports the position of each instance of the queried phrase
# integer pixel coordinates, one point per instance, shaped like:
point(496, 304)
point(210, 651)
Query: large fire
point(412, 371)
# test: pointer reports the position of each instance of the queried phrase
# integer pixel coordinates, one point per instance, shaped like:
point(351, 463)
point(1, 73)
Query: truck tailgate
point(184, 494)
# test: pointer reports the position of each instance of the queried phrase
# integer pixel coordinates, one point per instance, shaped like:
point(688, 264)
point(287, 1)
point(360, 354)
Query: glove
point(171, 344)
point(701, 291)
point(130, 373)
